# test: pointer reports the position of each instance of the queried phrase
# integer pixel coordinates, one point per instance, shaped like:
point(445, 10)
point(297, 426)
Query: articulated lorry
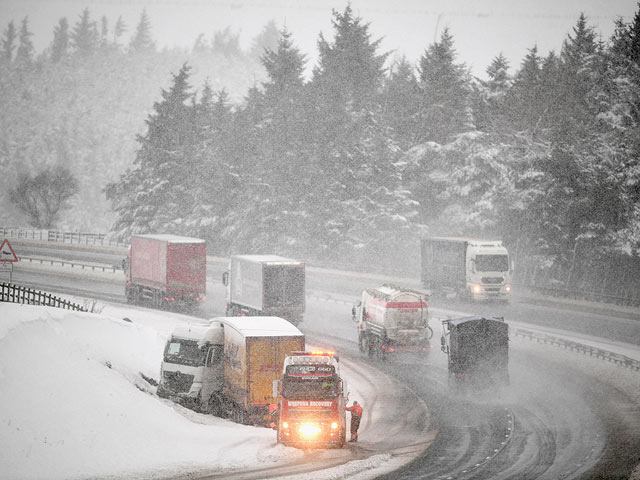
point(164, 270)
point(312, 401)
point(478, 350)
point(392, 320)
point(265, 285)
point(228, 367)
point(473, 269)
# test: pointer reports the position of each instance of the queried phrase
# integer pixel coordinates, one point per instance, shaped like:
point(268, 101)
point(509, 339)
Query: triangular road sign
point(6, 252)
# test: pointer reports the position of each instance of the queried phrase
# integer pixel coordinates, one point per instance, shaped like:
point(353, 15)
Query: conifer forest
point(349, 165)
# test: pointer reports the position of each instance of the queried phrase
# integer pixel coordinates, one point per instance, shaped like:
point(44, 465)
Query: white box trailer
point(265, 285)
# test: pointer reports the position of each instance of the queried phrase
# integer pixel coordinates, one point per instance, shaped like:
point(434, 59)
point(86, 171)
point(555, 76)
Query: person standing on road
point(356, 415)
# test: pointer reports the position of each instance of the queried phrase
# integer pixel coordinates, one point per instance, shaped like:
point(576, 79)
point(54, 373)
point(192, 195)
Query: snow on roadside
point(74, 405)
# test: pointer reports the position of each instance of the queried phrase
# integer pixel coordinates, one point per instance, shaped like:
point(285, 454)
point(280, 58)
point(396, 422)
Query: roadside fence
point(10, 292)
point(78, 238)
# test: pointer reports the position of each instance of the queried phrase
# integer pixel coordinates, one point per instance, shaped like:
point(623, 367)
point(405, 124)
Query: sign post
point(7, 258)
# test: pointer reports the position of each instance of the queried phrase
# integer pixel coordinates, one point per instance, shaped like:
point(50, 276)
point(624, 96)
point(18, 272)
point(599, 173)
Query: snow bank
point(74, 404)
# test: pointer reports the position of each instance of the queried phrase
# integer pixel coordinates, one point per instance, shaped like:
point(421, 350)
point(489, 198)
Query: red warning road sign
point(6, 252)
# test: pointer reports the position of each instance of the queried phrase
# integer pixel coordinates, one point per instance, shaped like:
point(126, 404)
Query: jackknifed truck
point(228, 367)
point(391, 321)
point(312, 405)
point(164, 270)
point(265, 285)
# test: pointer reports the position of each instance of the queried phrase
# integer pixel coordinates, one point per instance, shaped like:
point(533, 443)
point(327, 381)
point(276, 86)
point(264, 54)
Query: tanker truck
point(392, 321)
point(312, 401)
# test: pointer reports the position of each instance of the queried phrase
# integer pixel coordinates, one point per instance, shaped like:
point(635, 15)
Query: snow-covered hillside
point(73, 402)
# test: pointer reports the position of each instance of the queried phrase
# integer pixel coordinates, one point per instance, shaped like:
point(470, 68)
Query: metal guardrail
point(19, 294)
point(616, 358)
point(82, 266)
point(78, 238)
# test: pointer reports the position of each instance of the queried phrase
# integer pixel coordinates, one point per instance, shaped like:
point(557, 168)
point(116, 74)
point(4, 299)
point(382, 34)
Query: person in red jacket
point(356, 415)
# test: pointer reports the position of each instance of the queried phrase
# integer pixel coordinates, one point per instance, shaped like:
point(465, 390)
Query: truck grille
point(492, 280)
point(177, 382)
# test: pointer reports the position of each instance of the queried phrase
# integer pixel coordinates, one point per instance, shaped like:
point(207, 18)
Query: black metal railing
point(10, 292)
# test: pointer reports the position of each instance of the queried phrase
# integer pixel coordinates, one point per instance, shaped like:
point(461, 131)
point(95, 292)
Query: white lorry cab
point(470, 268)
point(192, 372)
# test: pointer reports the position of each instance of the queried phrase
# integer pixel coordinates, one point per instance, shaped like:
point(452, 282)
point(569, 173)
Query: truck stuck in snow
point(392, 321)
point(227, 367)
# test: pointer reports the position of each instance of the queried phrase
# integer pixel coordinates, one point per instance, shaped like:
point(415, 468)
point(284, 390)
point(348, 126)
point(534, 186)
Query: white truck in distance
point(468, 268)
point(391, 321)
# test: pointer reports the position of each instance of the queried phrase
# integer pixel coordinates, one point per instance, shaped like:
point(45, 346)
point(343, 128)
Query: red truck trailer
point(163, 270)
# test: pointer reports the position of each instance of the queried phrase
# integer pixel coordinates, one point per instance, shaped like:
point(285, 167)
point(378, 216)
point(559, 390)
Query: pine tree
point(445, 107)
point(141, 41)
point(118, 30)
point(84, 36)
point(8, 44)
point(400, 102)
point(60, 44)
point(158, 192)
point(25, 52)
point(490, 96)
point(267, 39)
point(350, 71)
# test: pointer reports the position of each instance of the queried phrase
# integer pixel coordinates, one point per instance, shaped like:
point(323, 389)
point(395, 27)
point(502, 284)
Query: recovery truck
point(478, 350)
point(312, 401)
point(165, 270)
point(392, 320)
point(265, 285)
point(228, 367)
point(469, 268)
point(192, 372)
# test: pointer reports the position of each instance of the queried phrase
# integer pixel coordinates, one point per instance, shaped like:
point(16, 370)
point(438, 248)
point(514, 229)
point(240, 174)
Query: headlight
point(508, 288)
point(334, 425)
point(309, 430)
point(476, 289)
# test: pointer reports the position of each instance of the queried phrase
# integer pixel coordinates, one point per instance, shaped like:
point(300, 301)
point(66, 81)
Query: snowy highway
point(564, 415)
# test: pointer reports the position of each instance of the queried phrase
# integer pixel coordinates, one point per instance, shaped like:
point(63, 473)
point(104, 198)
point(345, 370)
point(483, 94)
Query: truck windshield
point(315, 388)
point(184, 352)
point(492, 263)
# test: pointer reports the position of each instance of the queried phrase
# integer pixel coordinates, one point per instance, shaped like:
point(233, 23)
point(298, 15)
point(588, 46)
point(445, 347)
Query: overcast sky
point(481, 28)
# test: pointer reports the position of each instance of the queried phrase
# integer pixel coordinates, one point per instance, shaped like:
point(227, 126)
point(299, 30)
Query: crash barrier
point(616, 358)
point(79, 238)
point(82, 266)
point(10, 292)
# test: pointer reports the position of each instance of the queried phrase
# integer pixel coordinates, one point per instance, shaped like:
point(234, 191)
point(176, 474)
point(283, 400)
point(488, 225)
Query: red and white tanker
point(392, 320)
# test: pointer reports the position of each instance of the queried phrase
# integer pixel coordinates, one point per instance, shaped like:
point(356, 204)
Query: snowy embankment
point(73, 402)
